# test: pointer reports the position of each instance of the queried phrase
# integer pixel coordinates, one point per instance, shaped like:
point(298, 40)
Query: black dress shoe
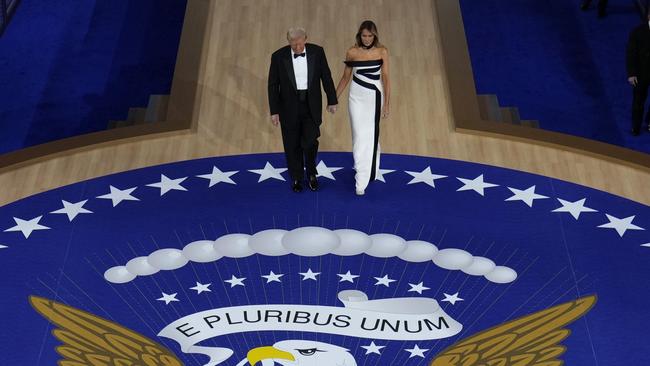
point(313, 183)
point(296, 186)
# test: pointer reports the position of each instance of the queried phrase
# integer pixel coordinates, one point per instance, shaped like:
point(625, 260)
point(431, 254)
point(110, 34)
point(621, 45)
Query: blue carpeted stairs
point(68, 67)
point(559, 65)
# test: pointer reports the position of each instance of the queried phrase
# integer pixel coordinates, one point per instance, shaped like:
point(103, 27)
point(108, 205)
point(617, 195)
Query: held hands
point(633, 80)
point(275, 119)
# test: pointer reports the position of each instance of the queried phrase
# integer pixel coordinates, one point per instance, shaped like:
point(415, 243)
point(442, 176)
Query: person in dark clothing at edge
point(638, 71)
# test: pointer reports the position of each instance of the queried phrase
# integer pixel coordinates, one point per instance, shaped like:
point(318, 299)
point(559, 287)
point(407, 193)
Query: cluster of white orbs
point(310, 242)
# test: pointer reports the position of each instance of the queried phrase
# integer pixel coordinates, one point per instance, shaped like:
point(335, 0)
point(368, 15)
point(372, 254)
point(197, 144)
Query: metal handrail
point(3, 15)
point(642, 5)
point(7, 9)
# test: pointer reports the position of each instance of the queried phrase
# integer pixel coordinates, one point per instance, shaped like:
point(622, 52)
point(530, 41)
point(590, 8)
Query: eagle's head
point(302, 353)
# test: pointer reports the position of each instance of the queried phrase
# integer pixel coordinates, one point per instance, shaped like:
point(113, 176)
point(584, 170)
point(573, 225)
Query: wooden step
point(489, 107)
point(136, 116)
point(510, 115)
point(118, 124)
point(530, 123)
point(157, 108)
point(490, 110)
point(156, 111)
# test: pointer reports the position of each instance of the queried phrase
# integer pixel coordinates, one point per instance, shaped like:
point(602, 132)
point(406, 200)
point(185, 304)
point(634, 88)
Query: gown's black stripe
point(369, 70)
point(364, 63)
point(365, 84)
point(373, 170)
point(371, 76)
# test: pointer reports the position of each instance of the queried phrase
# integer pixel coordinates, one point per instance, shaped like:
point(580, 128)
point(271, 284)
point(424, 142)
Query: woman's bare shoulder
point(351, 53)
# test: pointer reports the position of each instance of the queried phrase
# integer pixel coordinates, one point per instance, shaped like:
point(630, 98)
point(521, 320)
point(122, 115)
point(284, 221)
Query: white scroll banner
point(405, 319)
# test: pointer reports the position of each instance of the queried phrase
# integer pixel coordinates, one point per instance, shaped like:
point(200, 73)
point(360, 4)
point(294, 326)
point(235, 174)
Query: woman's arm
point(386, 81)
point(347, 75)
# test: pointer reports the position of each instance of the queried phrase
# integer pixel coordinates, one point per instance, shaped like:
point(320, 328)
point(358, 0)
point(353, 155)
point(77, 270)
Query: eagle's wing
point(91, 340)
point(531, 340)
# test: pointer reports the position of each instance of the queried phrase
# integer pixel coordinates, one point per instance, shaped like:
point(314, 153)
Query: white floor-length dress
point(365, 103)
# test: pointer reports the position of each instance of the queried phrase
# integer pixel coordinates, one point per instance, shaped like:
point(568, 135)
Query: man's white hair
point(296, 32)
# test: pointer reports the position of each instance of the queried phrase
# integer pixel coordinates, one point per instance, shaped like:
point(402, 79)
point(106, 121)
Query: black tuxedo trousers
point(300, 142)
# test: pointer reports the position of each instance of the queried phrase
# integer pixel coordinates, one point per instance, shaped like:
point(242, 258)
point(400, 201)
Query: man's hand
point(633, 80)
point(275, 119)
point(331, 108)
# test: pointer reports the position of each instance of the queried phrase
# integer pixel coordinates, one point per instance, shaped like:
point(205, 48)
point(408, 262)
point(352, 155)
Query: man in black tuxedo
point(638, 71)
point(295, 100)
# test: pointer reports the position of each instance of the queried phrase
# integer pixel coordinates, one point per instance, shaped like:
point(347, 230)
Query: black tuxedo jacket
point(638, 53)
point(283, 95)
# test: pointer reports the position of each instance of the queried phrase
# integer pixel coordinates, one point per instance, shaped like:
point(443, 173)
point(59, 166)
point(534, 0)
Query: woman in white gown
point(367, 66)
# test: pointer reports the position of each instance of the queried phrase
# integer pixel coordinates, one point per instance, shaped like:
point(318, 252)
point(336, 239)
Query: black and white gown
point(365, 105)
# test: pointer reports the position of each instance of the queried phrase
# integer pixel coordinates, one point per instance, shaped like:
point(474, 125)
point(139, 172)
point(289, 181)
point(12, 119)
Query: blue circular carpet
point(216, 262)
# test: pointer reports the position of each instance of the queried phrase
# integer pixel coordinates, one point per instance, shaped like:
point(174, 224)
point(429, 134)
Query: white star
point(234, 281)
point(620, 225)
point(381, 173)
point(383, 281)
point(452, 299)
point(416, 351)
point(418, 288)
point(425, 177)
point(272, 277)
point(217, 176)
point(373, 348)
point(118, 195)
point(647, 245)
point(574, 208)
point(201, 288)
point(72, 209)
point(165, 185)
point(168, 298)
point(269, 172)
point(347, 277)
point(477, 185)
point(528, 195)
point(27, 226)
point(325, 171)
point(3, 246)
point(309, 275)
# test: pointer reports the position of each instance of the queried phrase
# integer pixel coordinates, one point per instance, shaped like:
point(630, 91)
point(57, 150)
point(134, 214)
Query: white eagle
point(299, 353)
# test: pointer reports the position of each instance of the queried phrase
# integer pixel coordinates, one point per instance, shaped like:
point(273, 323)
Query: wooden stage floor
point(230, 112)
